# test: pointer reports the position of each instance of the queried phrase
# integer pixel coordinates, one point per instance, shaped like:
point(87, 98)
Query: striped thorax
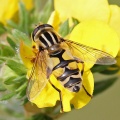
point(45, 36)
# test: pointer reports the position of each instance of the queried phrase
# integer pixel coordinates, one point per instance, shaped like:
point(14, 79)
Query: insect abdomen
point(69, 77)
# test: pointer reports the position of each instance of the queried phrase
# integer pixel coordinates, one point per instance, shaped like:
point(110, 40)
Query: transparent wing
point(38, 76)
point(89, 54)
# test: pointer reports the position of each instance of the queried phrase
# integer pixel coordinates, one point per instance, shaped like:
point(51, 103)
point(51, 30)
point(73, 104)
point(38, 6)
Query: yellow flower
point(90, 33)
point(85, 10)
point(89, 10)
point(114, 22)
point(8, 8)
point(54, 20)
point(98, 35)
point(118, 60)
point(49, 96)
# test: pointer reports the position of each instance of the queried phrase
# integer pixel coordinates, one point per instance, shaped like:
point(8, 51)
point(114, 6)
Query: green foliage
point(41, 117)
point(2, 29)
point(64, 29)
point(113, 69)
point(46, 11)
point(17, 67)
point(7, 96)
point(12, 44)
point(102, 85)
point(99, 68)
point(2, 87)
point(75, 22)
point(20, 36)
point(6, 51)
point(9, 80)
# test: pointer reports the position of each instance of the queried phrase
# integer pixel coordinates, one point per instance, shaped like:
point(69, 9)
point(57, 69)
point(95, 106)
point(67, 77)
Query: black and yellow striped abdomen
point(66, 71)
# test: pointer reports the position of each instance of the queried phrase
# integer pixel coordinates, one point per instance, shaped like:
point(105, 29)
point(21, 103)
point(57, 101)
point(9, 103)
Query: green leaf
point(25, 101)
point(2, 29)
point(41, 117)
point(39, 4)
point(12, 24)
point(46, 11)
point(1, 61)
point(64, 29)
point(2, 58)
point(24, 18)
point(99, 68)
point(20, 79)
point(111, 70)
point(75, 22)
point(9, 80)
point(18, 68)
point(22, 87)
point(12, 43)
point(18, 36)
point(102, 85)
point(6, 51)
point(2, 88)
point(7, 96)
point(22, 94)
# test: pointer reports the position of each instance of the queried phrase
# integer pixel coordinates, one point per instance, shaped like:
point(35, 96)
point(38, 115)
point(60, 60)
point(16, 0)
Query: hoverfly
point(56, 57)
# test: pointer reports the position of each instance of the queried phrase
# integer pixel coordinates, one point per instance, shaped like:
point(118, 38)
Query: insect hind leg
point(82, 71)
point(60, 95)
point(87, 91)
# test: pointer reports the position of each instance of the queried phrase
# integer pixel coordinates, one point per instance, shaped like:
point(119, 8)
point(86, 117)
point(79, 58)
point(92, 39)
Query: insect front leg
point(60, 95)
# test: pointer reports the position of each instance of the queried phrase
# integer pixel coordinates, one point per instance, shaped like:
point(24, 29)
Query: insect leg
point(82, 75)
point(82, 67)
point(60, 95)
point(87, 91)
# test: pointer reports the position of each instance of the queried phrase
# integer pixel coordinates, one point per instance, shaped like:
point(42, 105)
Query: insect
point(60, 57)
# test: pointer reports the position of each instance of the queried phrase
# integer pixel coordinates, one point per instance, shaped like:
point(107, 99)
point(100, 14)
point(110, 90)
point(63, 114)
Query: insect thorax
point(45, 36)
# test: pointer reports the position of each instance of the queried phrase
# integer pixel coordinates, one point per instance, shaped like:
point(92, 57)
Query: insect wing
point(38, 77)
point(89, 54)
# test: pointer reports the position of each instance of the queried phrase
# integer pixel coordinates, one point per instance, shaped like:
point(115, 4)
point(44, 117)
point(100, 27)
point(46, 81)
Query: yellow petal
point(118, 58)
point(54, 20)
point(81, 99)
point(98, 35)
point(8, 8)
point(49, 96)
point(115, 18)
point(83, 9)
point(28, 3)
point(27, 55)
